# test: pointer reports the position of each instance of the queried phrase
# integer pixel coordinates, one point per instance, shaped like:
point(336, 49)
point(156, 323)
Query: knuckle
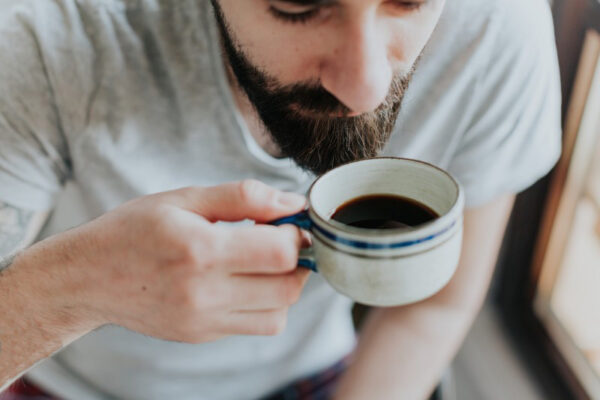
point(191, 330)
point(275, 324)
point(249, 190)
point(292, 290)
point(187, 194)
point(292, 233)
point(180, 324)
point(202, 258)
point(186, 259)
point(286, 256)
point(197, 299)
point(161, 223)
point(187, 253)
point(201, 253)
point(157, 214)
point(190, 298)
point(254, 192)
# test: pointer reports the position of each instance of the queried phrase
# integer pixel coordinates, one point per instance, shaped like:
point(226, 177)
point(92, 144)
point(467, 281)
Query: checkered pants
point(319, 386)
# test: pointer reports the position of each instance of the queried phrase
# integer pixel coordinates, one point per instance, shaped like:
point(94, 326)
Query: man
point(130, 120)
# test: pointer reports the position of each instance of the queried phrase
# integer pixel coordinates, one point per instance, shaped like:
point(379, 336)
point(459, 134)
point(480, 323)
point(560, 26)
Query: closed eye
point(297, 12)
point(297, 16)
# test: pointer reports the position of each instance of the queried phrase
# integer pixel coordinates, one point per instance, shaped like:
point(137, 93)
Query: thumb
point(248, 199)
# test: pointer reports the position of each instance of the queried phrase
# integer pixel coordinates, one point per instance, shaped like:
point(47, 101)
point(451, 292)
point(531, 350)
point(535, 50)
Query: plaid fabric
point(319, 386)
point(22, 389)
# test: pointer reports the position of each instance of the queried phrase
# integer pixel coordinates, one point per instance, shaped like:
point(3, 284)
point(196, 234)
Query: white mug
point(383, 267)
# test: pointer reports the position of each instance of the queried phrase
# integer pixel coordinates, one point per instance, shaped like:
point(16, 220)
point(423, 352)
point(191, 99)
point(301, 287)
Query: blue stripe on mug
point(380, 246)
point(303, 220)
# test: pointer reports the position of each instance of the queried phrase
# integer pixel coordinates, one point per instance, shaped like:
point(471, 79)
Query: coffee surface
point(383, 212)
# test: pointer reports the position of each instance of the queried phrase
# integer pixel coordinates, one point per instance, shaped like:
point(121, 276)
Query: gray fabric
point(106, 100)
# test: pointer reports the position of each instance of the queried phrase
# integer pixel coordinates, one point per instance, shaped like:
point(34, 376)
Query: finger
point(259, 249)
point(264, 322)
point(306, 239)
point(249, 199)
point(261, 292)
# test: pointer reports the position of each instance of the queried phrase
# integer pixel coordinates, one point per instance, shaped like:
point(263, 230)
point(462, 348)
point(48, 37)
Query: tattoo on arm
point(5, 262)
point(15, 226)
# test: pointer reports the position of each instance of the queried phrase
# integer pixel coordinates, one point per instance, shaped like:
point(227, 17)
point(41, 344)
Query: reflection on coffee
point(383, 211)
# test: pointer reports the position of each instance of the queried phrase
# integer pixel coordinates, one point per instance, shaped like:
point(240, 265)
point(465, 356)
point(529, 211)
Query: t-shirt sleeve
point(514, 137)
point(33, 150)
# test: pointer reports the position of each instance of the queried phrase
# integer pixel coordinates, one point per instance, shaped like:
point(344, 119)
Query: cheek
point(406, 45)
point(287, 59)
point(277, 51)
point(410, 37)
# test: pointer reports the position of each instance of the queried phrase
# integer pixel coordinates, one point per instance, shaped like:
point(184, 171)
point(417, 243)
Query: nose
point(358, 72)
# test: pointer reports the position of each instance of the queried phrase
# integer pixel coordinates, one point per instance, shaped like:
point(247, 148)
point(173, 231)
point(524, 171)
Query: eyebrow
point(306, 2)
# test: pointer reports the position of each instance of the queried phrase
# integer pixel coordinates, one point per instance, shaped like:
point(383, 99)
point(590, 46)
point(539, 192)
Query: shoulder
point(503, 28)
point(55, 16)
point(486, 42)
point(105, 34)
point(470, 16)
point(47, 55)
point(50, 31)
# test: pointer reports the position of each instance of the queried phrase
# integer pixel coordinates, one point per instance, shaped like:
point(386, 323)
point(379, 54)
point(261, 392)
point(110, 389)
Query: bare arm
point(18, 230)
point(403, 351)
point(152, 266)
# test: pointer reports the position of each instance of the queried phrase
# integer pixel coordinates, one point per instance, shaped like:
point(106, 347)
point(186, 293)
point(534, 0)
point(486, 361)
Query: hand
point(159, 265)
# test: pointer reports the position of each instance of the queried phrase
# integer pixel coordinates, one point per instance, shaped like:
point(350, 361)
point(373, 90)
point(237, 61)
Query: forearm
point(36, 306)
point(32, 326)
point(403, 351)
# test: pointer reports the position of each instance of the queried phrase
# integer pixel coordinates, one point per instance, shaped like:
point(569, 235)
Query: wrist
point(36, 319)
point(49, 284)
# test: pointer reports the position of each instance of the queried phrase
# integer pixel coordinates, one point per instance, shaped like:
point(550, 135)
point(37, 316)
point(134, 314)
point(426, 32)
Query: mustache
point(309, 97)
point(298, 117)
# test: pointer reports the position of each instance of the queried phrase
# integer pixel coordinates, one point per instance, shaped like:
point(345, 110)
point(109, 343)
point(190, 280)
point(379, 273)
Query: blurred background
point(538, 336)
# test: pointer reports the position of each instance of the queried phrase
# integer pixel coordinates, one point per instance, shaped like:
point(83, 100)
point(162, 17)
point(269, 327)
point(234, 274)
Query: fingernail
point(291, 200)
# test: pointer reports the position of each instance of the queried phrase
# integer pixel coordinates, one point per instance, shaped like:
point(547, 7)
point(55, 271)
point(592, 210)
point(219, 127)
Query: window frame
point(520, 262)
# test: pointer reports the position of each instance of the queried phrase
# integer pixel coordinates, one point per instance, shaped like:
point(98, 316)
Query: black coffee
point(383, 212)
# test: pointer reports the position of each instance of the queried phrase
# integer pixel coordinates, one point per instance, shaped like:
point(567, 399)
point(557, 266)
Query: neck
point(251, 117)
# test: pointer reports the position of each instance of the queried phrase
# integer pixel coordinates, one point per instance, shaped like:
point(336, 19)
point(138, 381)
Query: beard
point(298, 117)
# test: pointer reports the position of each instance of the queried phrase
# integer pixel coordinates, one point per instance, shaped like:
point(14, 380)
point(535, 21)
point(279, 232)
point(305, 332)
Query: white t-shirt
point(106, 100)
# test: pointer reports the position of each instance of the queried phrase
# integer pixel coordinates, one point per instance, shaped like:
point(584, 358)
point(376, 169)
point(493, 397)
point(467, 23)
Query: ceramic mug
point(383, 267)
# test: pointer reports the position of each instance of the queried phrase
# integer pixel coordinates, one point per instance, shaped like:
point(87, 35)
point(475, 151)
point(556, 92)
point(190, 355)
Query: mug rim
point(386, 233)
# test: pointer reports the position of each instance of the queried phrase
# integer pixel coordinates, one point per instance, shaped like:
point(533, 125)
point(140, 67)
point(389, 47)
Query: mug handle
point(306, 257)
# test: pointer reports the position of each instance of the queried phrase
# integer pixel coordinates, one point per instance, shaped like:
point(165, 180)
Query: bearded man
point(133, 131)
